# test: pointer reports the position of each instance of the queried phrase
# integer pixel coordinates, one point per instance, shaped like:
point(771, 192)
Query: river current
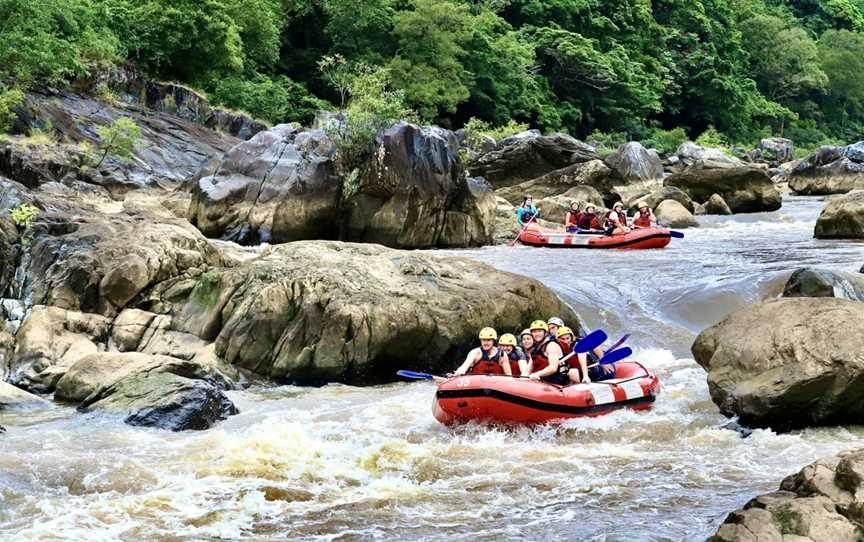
point(349, 463)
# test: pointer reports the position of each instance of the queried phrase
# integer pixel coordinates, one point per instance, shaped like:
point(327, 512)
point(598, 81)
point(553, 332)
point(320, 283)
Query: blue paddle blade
point(676, 234)
point(415, 376)
point(616, 355)
point(591, 341)
point(618, 343)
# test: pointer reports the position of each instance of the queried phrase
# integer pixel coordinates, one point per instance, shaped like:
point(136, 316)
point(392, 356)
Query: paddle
point(418, 376)
point(618, 343)
point(513, 242)
point(676, 234)
point(614, 356)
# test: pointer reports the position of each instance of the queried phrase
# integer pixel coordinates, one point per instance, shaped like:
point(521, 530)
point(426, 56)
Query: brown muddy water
point(347, 463)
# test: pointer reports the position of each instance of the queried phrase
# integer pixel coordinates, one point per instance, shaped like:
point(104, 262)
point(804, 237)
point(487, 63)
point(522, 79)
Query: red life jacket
point(514, 363)
point(572, 219)
point(539, 357)
point(643, 221)
point(619, 222)
point(487, 365)
point(589, 222)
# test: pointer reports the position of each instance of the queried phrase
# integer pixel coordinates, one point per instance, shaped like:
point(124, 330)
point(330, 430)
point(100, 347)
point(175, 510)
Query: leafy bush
point(274, 99)
point(475, 128)
point(606, 143)
point(665, 140)
point(712, 138)
point(23, 217)
point(8, 100)
point(119, 139)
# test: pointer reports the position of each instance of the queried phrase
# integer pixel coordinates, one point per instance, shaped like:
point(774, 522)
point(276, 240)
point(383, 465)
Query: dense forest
point(738, 69)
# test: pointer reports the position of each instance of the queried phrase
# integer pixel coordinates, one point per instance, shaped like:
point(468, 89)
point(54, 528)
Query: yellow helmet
point(508, 339)
point(564, 330)
point(488, 333)
point(539, 324)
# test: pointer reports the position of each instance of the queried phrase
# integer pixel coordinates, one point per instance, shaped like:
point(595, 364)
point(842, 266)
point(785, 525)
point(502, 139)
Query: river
point(347, 463)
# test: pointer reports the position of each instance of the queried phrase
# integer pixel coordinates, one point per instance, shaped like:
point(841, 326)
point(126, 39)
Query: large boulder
point(674, 215)
point(812, 282)
point(555, 207)
point(319, 311)
point(787, 363)
point(593, 173)
point(653, 199)
point(152, 391)
point(842, 217)
point(689, 153)
point(283, 185)
point(824, 502)
point(13, 397)
point(633, 162)
point(716, 205)
point(830, 170)
point(745, 189)
point(529, 155)
point(777, 149)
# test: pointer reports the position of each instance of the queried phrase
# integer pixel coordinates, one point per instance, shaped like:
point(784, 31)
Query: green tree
point(361, 30)
point(274, 99)
point(9, 98)
point(843, 62)
point(118, 139)
point(428, 65)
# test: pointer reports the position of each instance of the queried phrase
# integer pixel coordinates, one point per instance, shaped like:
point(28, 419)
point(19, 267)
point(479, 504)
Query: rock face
point(716, 205)
point(811, 282)
point(591, 174)
point(282, 185)
point(830, 170)
point(529, 155)
point(787, 363)
point(318, 311)
point(153, 391)
point(745, 189)
point(555, 207)
point(777, 149)
point(674, 215)
point(653, 199)
point(633, 162)
point(842, 218)
point(821, 503)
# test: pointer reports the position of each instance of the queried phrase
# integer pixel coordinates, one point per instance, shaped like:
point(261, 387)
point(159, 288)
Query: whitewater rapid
point(348, 463)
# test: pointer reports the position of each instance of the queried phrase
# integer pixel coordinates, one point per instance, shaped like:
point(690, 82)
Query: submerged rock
point(745, 189)
point(821, 503)
point(787, 363)
point(528, 156)
point(842, 217)
point(830, 170)
point(811, 282)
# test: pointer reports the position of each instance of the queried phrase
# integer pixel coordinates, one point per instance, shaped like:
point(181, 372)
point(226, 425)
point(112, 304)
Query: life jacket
point(539, 357)
point(572, 218)
point(588, 221)
point(643, 221)
point(564, 366)
point(487, 364)
point(607, 220)
point(514, 357)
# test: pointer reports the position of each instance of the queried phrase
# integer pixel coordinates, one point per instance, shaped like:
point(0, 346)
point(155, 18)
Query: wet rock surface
point(842, 218)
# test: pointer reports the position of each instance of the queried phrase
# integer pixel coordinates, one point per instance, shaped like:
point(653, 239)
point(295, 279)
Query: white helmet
point(555, 321)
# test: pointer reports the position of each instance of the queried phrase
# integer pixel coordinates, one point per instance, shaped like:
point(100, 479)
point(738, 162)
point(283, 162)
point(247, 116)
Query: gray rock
point(654, 199)
point(842, 217)
point(690, 153)
point(672, 214)
point(777, 149)
point(745, 189)
point(830, 170)
point(716, 205)
point(633, 162)
point(594, 175)
point(811, 282)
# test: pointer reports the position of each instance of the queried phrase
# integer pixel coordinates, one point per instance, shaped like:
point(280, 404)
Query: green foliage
point(475, 128)
point(374, 106)
point(8, 100)
point(665, 140)
point(843, 62)
point(712, 138)
point(23, 217)
point(275, 99)
point(118, 139)
point(606, 143)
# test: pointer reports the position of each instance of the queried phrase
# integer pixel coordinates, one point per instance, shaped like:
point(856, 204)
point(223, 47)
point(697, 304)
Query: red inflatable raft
point(539, 236)
point(520, 400)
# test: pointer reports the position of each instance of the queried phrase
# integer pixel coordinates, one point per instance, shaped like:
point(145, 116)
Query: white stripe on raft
point(602, 394)
point(632, 389)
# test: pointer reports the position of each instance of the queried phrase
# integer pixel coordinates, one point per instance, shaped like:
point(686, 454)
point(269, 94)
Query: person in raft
point(486, 358)
point(571, 219)
point(567, 340)
point(588, 219)
point(616, 220)
point(645, 217)
point(554, 323)
point(545, 357)
point(518, 362)
point(526, 212)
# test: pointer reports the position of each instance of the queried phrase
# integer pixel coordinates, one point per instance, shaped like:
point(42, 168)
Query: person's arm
point(583, 366)
point(504, 360)
point(469, 362)
point(553, 353)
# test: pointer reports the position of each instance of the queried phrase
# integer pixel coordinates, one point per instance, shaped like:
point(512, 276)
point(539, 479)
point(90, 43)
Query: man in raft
point(546, 357)
point(486, 358)
point(567, 340)
point(517, 361)
point(645, 218)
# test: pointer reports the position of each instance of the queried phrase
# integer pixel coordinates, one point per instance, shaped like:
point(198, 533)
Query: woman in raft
point(526, 212)
point(645, 217)
point(505, 358)
point(615, 222)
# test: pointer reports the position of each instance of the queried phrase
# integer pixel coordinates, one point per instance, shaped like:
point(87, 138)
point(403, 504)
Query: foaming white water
point(346, 463)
